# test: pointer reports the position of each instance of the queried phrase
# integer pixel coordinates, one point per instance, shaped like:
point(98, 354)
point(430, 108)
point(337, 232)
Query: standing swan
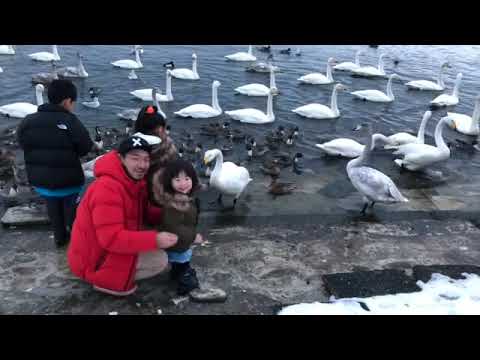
point(374, 185)
point(377, 95)
point(348, 65)
point(318, 78)
point(465, 124)
point(418, 156)
point(46, 56)
point(202, 111)
point(259, 89)
point(7, 50)
point(146, 94)
point(128, 63)
point(242, 56)
point(371, 70)
point(449, 100)
point(430, 85)
point(187, 74)
point(319, 111)
point(254, 116)
point(226, 177)
point(402, 138)
point(22, 109)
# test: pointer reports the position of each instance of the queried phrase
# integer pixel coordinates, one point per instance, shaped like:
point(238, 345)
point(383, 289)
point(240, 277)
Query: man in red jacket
point(109, 247)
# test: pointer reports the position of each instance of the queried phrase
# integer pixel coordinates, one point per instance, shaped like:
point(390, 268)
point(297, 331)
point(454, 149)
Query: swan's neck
point(381, 64)
point(421, 129)
point(218, 164)
point(215, 104)
point(270, 114)
point(475, 115)
point(366, 151)
point(439, 142)
point(333, 103)
point(329, 72)
point(81, 68)
point(272, 78)
point(389, 89)
point(457, 87)
point(55, 51)
point(169, 86)
point(194, 66)
point(378, 137)
point(137, 57)
point(250, 50)
point(440, 78)
point(357, 58)
point(157, 104)
point(39, 95)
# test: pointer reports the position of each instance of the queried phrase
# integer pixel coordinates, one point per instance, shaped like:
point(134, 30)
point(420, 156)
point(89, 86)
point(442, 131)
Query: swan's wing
point(233, 178)
point(199, 110)
point(372, 183)
point(412, 148)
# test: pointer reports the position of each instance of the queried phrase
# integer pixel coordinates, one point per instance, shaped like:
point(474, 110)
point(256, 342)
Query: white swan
point(226, 177)
point(187, 74)
point(348, 65)
point(418, 156)
point(465, 124)
point(374, 185)
point(318, 78)
point(73, 71)
point(449, 100)
point(371, 70)
point(146, 94)
point(347, 147)
point(128, 63)
point(377, 95)
point(139, 47)
point(430, 85)
point(22, 109)
point(202, 111)
point(319, 111)
point(45, 55)
point(7, 50)
point(242, 56)
point(254, 116)
point(402, 138)
point(132, 114)
point(259, 89)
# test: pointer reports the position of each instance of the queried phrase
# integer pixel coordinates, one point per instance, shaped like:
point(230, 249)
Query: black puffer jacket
point(53, 140)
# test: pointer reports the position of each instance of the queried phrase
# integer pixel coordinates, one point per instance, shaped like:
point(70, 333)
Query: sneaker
point(187, 281)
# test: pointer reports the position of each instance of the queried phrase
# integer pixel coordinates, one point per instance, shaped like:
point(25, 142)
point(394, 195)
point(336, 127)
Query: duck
point(318, 78)
point(428, 85)
point(95, 103)
point(280, 188)
point(129, 127)
point(187, 74)
point(289, 141)
point(418, 156)
point(371, 183)
point(348, 148)
point(254, 116)
point(264, 48)
point(449, 100)
point(257, 149)
point(271, 167)
point(98, 142)
point(22, 109)
point(242, 56)
point(286, 51)
point(319, 111)
point(465, 124)
point(371, 71)
point(297, 164)
point(128, 63)
point(45, 78)
point(7, 50)
point(377, 95)
point(348, 65)
point(169, 65)
point(202, 111)
point(74, 71)
point(213, 129)
point(259, 89)
point(285, 159)
point(146, 94)
point(401, 138)
point(45, 55)
point(227, 177)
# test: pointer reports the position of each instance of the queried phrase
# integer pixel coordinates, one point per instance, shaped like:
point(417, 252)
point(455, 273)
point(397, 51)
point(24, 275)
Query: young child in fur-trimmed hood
point(180, 217)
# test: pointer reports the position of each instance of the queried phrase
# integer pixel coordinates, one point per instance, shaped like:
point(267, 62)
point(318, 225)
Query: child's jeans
point(179, 257)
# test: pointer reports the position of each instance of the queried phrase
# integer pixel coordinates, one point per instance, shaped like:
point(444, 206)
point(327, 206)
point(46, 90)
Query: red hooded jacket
point(106, 236)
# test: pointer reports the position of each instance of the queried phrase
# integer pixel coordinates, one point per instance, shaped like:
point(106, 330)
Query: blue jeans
point(179, 257)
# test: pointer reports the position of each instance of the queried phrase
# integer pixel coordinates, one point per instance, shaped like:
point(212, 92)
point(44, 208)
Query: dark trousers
point(61, 212)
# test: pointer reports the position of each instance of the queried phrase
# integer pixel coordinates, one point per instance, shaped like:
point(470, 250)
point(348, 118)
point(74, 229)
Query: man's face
point(137, 163)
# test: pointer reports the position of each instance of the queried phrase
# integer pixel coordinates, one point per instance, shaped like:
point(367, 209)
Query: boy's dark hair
point(148, 120)
point(173, 168)
point(59, 90)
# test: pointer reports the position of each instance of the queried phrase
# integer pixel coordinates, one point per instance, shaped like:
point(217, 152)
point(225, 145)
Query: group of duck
point(232, 179)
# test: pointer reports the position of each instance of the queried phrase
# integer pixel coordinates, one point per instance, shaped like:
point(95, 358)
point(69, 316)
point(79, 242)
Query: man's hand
point(166, 240)
point(198, 239)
